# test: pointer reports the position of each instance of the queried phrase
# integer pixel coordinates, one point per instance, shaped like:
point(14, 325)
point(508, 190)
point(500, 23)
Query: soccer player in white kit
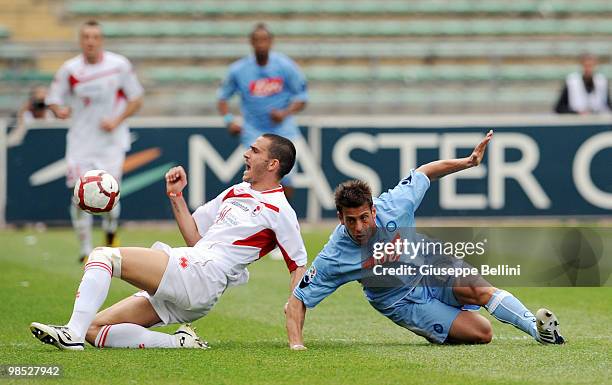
point(182, 284)
point(99, 91)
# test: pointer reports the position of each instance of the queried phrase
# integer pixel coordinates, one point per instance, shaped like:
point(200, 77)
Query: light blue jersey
point(341, 259)
point(262, 89)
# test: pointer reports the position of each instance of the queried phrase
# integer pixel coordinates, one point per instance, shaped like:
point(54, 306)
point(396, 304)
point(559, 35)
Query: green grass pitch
point(348, 341)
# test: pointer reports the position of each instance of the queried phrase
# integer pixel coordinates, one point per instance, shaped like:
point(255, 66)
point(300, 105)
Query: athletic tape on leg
point(110, 256)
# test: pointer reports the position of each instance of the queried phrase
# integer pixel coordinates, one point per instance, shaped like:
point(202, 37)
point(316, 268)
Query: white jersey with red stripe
point(242, 225)
point(95, 92)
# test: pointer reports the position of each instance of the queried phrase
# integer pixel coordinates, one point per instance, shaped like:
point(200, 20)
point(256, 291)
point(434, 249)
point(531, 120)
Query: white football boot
point(548, 328)
point(186, 337)
point(59, 336)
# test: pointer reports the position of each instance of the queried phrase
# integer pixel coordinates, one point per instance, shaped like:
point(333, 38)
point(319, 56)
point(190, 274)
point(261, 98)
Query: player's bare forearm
point(295, 313)
point(296, 276)
point(296, 107)
point(60, 112)
point(176, 180)
point(184, 220)
point(131, 108)
point(438, 169)
point(222, 107)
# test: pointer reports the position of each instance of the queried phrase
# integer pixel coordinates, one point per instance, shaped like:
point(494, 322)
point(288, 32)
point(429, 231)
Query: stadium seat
point(4, 32)
point(16, 52)
point(25, 76)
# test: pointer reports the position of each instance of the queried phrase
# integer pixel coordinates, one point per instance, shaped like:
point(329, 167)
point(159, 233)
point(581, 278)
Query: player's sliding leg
point(470, 328)
point(128, 335)
point(82, 224)
point(124, 325)
point(143, 268)
point(508, 309)
point(110, 223)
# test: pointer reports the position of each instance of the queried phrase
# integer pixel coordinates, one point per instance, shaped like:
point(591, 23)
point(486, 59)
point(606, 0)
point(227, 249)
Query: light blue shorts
point(428, 310)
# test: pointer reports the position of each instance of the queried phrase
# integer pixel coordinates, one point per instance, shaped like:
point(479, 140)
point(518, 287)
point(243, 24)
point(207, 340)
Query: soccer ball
point(96, 192)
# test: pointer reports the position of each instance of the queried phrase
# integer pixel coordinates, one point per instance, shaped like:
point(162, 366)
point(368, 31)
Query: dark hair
point(91, 23)
point(353, 193)
point(260, 27)
point(283, 150)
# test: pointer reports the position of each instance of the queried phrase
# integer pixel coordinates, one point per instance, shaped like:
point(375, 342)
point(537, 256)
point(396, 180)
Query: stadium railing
point(278, 7)
point(333, 28)
point(484, 49)
point(383, 73)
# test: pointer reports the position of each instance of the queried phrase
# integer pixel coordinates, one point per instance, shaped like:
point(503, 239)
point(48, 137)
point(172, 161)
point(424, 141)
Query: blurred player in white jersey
point(182, 284)
point(99, 91)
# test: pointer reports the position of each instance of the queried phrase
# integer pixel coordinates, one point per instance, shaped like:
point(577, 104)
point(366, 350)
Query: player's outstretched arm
point(295, 312)
point(176, 180)
point(438, 169)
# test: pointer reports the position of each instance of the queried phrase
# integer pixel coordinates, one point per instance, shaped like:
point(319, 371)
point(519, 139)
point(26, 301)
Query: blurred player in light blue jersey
point(430, 309)
point(272, 89)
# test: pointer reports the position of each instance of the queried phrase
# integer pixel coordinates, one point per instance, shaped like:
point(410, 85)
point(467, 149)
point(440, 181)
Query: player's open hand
point(476, 157)
point(176, 180)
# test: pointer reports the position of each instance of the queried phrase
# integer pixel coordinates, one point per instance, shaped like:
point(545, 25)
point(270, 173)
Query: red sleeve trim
point(291, 265)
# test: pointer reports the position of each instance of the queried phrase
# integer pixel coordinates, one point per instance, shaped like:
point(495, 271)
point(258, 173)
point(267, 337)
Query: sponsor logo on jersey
point(239, 205)
point(266, 87)
point(256, 210)
point(184, 262)
point(223, 214)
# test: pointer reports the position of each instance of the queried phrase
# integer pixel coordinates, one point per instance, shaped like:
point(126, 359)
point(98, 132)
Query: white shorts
point(78, 167)
point(190, 286)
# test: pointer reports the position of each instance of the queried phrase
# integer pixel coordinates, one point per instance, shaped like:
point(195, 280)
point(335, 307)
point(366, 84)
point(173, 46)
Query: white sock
point(132, 336)
point(82, 223)
point(90, 296)
point(110, 220)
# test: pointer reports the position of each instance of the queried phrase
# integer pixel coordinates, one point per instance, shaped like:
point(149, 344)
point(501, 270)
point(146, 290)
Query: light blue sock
point(508, 309)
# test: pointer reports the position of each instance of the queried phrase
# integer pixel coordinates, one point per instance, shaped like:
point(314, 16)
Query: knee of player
point(108, 258)
point(92, 333)
point(485, 333)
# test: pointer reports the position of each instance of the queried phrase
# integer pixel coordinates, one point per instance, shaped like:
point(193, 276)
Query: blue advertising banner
point(529, 169)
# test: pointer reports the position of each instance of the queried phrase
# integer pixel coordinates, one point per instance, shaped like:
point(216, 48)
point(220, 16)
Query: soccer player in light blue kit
point(431, 310)
point(272, 89)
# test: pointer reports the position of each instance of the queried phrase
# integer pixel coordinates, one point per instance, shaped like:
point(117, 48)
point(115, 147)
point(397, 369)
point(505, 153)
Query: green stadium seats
point(16, 52)
point(4, 32)
point(25, 76)
point(337, 7)
point(365, 50)
point(325, 28)
point(397, 74)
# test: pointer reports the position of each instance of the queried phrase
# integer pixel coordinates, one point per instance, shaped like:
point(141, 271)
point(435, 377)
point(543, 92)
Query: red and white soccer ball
point(96, 192)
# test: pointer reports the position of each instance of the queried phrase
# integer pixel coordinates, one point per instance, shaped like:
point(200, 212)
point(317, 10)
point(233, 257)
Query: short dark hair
point(91, 23)
point(260, 27)
point(353, 193)
point(282, 149)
